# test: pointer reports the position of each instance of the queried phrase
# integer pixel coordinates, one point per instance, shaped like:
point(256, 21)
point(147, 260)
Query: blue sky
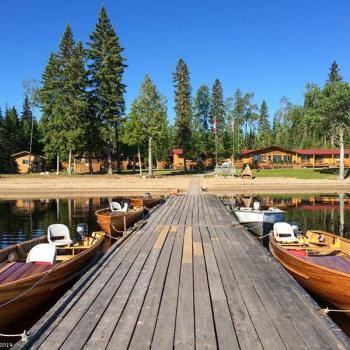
point(272, 48)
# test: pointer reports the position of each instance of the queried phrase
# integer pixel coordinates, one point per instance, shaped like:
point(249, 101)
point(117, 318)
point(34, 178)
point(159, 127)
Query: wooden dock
point(192, 277)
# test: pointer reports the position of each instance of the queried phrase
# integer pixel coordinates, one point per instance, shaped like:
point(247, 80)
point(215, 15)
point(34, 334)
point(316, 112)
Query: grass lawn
point(297, 173)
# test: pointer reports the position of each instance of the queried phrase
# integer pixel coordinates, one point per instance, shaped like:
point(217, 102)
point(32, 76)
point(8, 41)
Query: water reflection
point(329, 212)
point(23, 219)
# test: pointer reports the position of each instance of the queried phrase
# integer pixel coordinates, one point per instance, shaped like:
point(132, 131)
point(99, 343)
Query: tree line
point(81, 98)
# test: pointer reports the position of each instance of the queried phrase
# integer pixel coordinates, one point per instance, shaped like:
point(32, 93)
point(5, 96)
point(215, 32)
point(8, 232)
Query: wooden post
point(124, 221)
point(58, 164)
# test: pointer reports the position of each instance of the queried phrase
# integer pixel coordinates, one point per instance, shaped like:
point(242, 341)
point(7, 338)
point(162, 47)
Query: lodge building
point(277, 157)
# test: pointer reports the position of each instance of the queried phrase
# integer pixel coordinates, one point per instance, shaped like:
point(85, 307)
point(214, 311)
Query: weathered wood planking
point(191, 278)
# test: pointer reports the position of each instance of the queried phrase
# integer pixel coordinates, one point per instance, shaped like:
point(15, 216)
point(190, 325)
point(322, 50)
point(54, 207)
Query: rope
point(106, 234)
point(326, 310)
point(22, 335)
point(261, 237)
point(29, 289)
point(116, 230)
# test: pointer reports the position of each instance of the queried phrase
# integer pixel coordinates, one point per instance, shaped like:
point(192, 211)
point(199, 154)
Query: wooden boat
point(320, 261)
point(113, 222)
point(147, 202)
point(26, 285)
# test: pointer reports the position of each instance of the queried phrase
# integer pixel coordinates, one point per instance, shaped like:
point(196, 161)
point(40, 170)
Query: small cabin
point(81, 165)
point(178, 158)
point(20, 163)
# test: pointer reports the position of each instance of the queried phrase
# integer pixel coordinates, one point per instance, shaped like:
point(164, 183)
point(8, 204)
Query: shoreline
point(53, 186)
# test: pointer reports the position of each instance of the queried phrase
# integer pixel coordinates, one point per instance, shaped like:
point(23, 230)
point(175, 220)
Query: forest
point(83, 112)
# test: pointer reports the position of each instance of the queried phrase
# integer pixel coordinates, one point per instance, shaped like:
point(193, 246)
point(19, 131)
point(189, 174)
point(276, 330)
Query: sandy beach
point(52, 186)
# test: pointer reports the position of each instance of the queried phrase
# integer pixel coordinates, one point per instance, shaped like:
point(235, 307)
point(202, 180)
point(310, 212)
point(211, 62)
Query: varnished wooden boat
point(112, 222)
point(25, 286)
point(320, 262)
point(145, 201)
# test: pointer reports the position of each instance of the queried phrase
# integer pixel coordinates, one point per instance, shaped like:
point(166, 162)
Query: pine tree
point(183, 106)
point(106, 68)
point(49, 96)
point(264, 131)
point(147, 121)
point(333, 75)
point(200, 139)
point(217, 114)
point(26, 124)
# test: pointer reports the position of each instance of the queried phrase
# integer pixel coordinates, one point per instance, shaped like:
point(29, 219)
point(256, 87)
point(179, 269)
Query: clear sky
point(272, 47)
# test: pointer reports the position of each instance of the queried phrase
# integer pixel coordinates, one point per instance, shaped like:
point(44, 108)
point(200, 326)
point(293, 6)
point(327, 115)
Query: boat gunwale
point(58, 266)
point(273, 242)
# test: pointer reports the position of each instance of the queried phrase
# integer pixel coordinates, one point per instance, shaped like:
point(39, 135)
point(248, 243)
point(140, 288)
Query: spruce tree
point(333, 75)
point(200, 140)
point(264, 131)
point(146, 124)
point(106, 68)
point(49, 101)
point(26, 124)
point(217, 114)
point(183, 106)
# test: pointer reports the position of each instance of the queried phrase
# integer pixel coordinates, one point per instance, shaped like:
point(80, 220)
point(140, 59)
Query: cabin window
point(25, 161)
point(319, 159)
point(304, 158)
point(256, 158)
point(286, 158)
point(277, 158)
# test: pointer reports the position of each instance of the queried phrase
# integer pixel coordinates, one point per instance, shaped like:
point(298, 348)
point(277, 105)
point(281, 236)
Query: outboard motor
point(256, 205)
point(82, 231)
point(295, 227)
point(148, 195)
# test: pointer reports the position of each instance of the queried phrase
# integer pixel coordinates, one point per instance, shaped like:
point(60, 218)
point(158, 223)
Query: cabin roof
point(247, 152)
point(23, 153)
point(178, 151)
point(320, 151)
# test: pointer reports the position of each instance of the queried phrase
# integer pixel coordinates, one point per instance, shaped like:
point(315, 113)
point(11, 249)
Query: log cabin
point(278, 157)
point(20, 163)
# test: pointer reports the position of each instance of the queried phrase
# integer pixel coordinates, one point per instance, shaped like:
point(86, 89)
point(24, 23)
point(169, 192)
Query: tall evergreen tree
point(49, 101)
point(333, 75)
point(201, 135)
point(183, 106)
point(106, 68)
point(26, 124)
point(217, 114)
point(147, 121)
point(264, 131)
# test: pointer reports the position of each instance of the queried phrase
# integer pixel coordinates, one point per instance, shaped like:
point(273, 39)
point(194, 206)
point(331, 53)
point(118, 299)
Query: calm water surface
point(310, 211)
point(22, 219)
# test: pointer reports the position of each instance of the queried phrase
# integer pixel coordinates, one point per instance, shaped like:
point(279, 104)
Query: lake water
point(310, 211)
point(22, 219)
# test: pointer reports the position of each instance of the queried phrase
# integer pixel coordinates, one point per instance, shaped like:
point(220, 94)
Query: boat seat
point(284, 233)
point(58, 234)
point(42, 253)
point(115, 206)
